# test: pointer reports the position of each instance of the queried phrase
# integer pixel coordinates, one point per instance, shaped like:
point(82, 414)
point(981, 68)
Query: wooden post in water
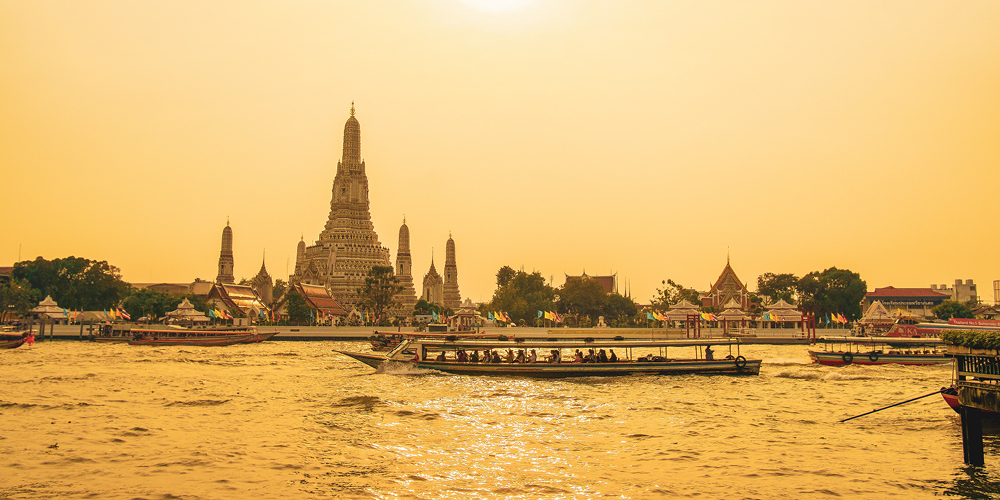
point(972, 435)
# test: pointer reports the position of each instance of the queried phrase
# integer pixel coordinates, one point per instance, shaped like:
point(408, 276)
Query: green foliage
point(583, 297)
point(521, 295)
point(377, 294)
point(777, 286)
point(832, 291)
point(17, 297)
point(671, 294)
point(150, 303)
point(952, 309)
point(426, 308)
point(279, 290)
point(972, 339)
point(618, 310)
point(74, 282)
point(297, 309)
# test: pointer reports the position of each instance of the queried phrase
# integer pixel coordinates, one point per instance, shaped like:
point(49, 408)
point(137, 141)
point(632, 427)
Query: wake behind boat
point(463, 357)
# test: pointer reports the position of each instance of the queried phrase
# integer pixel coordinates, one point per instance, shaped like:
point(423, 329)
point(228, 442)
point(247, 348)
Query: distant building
point(5, 274)
point(962, 292)
point(317, 298)
point(237, 299)
point(433, 286)
point(916, 301)
point(996, 291)
point(263, 285)
point(407, 297)
point(226, 257)
point(727, 288)
point(609, 283)
point(452, 298)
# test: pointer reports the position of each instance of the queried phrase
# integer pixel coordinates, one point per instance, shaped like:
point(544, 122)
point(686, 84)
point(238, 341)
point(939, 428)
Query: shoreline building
point(452, 298)
point(726, 289)
point(407, 297)
point(962, 292)
point(915, 301)
point(263, 285)
point(609, 283)
point(226, 257)
point(348, 246)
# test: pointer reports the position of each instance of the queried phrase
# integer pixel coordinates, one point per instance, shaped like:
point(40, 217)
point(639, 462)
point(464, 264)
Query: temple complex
point(726, 289)
point(433, 286)
point(348, 247)
point(609, 283)
point(226, 257)
point(407, 297)
point(452, 298)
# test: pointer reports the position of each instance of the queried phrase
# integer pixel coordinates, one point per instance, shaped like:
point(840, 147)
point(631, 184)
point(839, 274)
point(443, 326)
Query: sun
point(498, 6)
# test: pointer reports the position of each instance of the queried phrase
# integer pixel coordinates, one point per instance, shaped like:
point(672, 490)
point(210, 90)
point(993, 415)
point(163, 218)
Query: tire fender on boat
point(873, 356)
point(847, 357)
point(741, 362)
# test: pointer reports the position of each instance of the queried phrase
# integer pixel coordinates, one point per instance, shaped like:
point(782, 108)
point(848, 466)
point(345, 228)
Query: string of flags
point(550, 315)
point(498, 316)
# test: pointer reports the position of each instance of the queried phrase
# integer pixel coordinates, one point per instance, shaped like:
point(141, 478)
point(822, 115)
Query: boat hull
point(202, 342)
point(867, 358)
point(561, 370)
point(13, 344)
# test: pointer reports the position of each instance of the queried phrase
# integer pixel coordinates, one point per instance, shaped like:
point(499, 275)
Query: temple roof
point(893, 292)
point(239, 297)
point(319, 298)
point(727, 271)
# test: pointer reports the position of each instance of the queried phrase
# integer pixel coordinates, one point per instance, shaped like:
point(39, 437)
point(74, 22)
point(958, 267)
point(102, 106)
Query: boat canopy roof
point(882, 340)
point(564, 343)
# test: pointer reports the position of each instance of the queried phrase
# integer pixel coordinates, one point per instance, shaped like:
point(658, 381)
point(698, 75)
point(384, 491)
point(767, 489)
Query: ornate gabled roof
point(319, 298)
point(781, 306)
point(726, 272)
point(684, 305)
point(240, 297)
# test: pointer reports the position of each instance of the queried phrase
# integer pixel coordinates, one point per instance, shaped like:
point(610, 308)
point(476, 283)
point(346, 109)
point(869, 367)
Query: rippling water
point(295, 420)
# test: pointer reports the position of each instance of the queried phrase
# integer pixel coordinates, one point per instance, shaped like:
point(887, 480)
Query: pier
point(977, 381)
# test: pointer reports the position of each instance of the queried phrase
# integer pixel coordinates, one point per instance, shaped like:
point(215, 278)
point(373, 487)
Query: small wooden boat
point(6, 343)
point(841, 351)
point(452, 356)
point(191, 341)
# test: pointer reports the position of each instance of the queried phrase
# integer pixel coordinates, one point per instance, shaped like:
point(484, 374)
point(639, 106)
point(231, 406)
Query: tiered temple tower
point(263, 285)
point(347, 247)
point(226, 257)
point(433, 286)
point(407, 297)
point(452, 297)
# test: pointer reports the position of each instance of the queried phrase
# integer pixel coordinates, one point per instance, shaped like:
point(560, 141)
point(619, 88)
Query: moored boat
point(841, 351)
point(453, 356)
point(12, 343)
point(198, 337)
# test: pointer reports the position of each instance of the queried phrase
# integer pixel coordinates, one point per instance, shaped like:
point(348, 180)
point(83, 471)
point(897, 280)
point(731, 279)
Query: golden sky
point(647, 138)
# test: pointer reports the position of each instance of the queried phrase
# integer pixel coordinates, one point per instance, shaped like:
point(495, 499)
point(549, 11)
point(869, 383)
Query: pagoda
point(348, 247)
point(452, 297)
point(407, 297)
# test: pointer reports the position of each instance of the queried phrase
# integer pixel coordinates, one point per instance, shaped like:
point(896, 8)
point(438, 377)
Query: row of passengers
point(555, 356)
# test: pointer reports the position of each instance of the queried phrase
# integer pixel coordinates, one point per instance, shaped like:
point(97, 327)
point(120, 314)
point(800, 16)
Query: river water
point(289, 420)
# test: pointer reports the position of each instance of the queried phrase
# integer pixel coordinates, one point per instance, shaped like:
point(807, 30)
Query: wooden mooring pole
point(972, 436)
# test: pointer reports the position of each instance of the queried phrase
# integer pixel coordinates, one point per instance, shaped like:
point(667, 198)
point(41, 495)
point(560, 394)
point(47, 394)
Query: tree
point(426, 308)
point(583, 296)
point(17, 297)
point(832, 291)
point(777, 286)
point(377, 296)
point(150, 303)
point(279, 290)
point(297, 309)
point(75, 282)
point(671, 294)
point(618, 310)
point(520, 295)
point(952, 309)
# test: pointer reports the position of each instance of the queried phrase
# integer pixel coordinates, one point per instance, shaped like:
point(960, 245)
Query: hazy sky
point(647, 138)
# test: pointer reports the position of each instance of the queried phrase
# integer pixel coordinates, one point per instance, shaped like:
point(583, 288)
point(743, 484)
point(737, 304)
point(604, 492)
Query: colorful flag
point(123, 313)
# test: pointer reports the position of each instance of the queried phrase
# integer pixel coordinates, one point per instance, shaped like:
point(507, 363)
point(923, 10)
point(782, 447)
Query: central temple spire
point(352, 143)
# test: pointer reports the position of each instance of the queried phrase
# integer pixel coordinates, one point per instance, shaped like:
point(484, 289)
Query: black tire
point(873, 356)
point(848, 358)
point(741, 362)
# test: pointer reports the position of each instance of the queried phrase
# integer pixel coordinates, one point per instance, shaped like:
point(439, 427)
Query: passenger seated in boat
point(474, 357)
point(578, 357)
point(709, 355)
point(520, 356)
point(440, 357)
point(495, 358)
point(553, 356)
point(532, 357)
point(461, 356)
point(510, 356)
point(602, 357)
point(614, 357)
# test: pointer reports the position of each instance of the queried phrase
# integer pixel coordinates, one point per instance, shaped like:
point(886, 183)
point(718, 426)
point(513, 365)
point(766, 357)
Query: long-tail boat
point(637, 357)
point(841, 351)
point(198, 337)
